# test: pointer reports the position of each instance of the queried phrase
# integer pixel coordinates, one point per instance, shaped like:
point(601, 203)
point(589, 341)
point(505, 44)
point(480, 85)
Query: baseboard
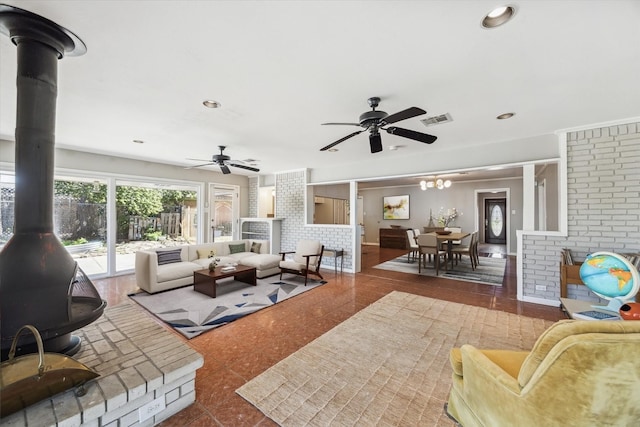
point(541, 301)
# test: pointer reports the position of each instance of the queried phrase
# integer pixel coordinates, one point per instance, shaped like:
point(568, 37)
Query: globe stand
point(613, 306)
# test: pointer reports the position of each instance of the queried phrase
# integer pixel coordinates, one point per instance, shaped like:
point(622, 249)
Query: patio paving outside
point(94, 262)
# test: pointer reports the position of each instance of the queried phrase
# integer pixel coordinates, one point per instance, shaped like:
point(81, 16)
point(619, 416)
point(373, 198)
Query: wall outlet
point(541, 287)
point(150, 409)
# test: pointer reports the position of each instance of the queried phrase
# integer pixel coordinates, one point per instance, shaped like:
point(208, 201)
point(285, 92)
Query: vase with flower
point(214, 261)
point(447, 218)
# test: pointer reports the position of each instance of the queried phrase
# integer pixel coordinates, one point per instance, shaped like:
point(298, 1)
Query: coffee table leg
point(247, 277)
point(204, 285)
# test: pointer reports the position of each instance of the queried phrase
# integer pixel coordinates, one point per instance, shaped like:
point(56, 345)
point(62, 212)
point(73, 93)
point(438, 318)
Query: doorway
point(224, 212)
point(495, 221)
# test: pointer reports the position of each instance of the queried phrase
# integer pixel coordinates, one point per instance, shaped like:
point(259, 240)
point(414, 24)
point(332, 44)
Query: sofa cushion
point(237, 257)
point(255, 247)
point(234, 249)
point(169, 256)
point(176, 270)
point(262, 261)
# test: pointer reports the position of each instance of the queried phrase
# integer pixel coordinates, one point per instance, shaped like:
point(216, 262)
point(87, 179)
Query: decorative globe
point(610, 276)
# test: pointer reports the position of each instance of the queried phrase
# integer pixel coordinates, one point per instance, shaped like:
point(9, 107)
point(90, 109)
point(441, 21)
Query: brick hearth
point(138, 361)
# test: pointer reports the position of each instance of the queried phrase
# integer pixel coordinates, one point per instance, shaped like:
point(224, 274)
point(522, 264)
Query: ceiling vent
point(436, 120)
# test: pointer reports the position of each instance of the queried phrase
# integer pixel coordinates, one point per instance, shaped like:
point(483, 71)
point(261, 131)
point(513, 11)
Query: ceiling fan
point(374, 120)
point(224, 162)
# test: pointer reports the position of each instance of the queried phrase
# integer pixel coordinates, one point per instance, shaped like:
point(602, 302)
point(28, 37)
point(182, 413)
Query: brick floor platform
point(139, 362)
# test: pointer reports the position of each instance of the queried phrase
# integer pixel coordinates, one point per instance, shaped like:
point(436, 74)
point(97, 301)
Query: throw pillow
point(255, 247)
point(235, 249)
point(205, 253)
point(168, 257)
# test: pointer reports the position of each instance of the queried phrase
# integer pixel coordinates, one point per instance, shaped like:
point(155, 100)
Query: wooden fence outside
point(174, 224)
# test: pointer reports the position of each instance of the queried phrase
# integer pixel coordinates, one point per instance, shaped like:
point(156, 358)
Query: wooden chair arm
point(285, 253)
point(307, 256)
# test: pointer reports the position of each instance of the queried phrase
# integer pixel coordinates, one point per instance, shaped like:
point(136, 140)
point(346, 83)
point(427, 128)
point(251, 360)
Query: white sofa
point(153, 278)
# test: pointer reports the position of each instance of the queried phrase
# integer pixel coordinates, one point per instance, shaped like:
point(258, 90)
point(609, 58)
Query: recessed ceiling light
point(396, 147)
point(498, 16)
point(332, 150)
point(138, 141)
point(211, 104)
point(505, 116)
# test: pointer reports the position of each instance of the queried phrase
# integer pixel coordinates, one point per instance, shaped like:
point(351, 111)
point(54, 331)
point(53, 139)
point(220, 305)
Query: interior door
point(495, 223)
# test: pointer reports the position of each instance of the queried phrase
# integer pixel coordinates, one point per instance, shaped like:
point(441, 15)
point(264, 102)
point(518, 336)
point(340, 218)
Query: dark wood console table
point(393, 238)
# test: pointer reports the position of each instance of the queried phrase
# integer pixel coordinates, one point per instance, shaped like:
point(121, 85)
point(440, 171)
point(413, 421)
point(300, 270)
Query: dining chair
point(428, 245)
point(412, 244)
point(474, 250)
point(461, 250)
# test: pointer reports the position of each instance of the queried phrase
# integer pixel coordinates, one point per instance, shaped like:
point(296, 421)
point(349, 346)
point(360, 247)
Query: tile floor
point(237, 352)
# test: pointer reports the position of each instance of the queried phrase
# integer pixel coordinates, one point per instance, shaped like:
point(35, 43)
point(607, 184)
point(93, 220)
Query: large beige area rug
point(386, 365)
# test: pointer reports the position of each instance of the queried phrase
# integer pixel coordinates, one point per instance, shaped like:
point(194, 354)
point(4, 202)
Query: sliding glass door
point(80, 221)
point(151, 216)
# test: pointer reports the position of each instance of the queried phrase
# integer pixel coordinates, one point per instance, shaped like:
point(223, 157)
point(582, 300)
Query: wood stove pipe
point(36, 271)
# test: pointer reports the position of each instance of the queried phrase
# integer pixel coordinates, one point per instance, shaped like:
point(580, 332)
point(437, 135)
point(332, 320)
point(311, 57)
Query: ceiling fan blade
point(199, 160)
point(403, 115)
point(342, 124)
point(375, 142)
point(411, 134)
point(249, 168)
point(333, 144)
point(197, 166)
point(225, 170)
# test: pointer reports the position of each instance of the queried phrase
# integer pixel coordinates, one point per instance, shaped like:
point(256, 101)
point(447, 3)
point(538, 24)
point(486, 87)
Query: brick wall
point(253, 197)
point(290, 193)
point(603, 212)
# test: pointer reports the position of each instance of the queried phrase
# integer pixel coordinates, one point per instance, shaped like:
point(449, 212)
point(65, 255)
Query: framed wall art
point(395, 207)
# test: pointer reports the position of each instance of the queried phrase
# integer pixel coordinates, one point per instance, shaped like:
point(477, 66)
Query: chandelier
point(436, 182)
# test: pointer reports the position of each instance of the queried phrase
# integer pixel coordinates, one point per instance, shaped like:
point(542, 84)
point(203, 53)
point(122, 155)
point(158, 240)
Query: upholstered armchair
point(579, 373)
point(306, 260)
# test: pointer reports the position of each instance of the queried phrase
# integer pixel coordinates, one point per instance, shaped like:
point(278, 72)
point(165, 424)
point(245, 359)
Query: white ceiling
point(281, 68)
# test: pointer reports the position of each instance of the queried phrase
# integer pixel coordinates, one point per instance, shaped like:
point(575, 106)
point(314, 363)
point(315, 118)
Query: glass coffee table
point(205, 281)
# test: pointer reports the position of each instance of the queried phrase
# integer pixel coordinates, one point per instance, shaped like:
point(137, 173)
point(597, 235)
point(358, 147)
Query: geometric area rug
point(490, 271)
point(386, 365)
point(192, 313)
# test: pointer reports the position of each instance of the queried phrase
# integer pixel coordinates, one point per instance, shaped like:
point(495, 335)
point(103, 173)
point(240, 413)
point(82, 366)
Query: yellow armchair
point(579, 373)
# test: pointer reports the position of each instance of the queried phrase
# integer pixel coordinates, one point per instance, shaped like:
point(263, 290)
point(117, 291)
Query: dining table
point(450, 238)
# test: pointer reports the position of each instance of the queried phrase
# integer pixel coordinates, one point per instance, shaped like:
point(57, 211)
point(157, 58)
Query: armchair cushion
point(509, 361)
point(307, 247)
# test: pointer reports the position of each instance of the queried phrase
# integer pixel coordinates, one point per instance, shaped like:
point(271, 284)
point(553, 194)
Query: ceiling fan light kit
point(375, 120)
